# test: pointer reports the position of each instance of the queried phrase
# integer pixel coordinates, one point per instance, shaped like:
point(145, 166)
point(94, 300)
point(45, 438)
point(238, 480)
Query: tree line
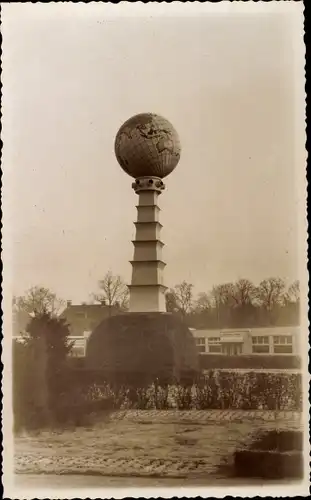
point(228, 305)
point(241, 304)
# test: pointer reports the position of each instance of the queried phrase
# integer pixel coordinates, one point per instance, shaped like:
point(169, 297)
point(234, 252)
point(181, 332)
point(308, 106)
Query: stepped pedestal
point(147, 289)
point(147, 343)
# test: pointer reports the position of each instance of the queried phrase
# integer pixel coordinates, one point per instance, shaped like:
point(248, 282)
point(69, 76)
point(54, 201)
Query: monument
point(147, 342)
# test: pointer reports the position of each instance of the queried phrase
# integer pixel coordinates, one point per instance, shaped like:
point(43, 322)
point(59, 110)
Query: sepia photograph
point(154, 250)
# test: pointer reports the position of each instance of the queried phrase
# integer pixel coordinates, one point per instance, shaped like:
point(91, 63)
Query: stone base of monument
point(139, 348)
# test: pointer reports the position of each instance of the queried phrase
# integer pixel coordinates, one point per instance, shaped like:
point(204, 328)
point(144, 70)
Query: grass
point(128, 447)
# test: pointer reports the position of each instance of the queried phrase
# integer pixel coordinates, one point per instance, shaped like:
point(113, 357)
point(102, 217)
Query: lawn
point(146, 443)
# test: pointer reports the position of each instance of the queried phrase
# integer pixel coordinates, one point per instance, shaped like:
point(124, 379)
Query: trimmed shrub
point(274, 454)
point(137, 348)
point(279, 440)
point(41, 376)
point(268, 464)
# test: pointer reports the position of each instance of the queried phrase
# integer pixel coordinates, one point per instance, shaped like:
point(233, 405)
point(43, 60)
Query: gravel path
point(35, 482)
point(202, 416)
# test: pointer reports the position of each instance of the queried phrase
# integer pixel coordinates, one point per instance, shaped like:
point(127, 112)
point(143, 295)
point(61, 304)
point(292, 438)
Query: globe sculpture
point(147, 145)
point(147, 342)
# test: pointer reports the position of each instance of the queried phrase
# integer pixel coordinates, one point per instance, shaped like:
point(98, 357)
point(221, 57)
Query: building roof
point(88, 308)
point(277, 330)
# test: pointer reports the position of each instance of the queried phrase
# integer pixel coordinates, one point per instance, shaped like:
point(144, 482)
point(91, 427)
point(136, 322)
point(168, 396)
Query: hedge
point(278, 440)
point(217, 390)
point(217, 361)
point(83, 392)
point(274, 454)
point(214, 361)
point(268, 464)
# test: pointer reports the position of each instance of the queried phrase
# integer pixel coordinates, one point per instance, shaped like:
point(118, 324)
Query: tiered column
point(147, 286)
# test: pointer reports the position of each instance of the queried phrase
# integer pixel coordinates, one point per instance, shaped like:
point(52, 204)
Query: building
point(80, 318)
point(20, 320)
point(275, 340)
point(83, 318)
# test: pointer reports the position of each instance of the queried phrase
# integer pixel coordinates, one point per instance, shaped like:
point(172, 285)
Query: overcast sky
point(230, 83)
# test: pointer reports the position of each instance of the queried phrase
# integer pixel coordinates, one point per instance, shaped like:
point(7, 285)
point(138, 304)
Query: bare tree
point(114, 292)
point(244, 292)
point(227, 296)
point(204, 302)
point(223, 300)
point(38, 300)
point(171, 302)
point(271, 293)
point(223, 295)
point(293, 294)
point(183, 296)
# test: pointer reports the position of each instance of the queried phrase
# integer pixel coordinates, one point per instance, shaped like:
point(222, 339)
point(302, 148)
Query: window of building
point(200, 342)
point(214, 348)
point(283, 349)
point(260, 349)
point(77, 352)
point(283, 340)
point(283, 344)
point(260, 345)
point(260, 340)
point(214, 345)
point(214, 340)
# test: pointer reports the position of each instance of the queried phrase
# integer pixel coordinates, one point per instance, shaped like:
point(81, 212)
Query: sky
point(231, 81)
